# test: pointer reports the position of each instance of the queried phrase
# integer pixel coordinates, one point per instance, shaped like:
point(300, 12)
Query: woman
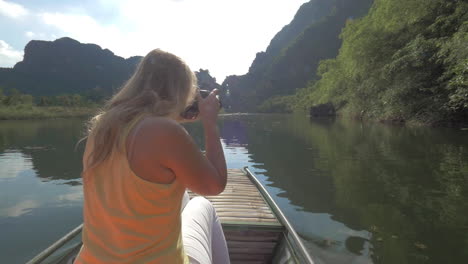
point(137, 164)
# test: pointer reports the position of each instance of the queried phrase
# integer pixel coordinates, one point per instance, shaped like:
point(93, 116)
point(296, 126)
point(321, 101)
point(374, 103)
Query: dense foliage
point(406, 60)
point(16, 105)
point(292, 57)
point(15, 97)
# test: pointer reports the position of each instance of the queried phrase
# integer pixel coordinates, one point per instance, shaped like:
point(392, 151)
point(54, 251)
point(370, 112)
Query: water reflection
point(40, 185)
point(24, 200)
point(391, 194)
point(234, 133)
point(356, 192)
point(12, 163)
point(50, 144)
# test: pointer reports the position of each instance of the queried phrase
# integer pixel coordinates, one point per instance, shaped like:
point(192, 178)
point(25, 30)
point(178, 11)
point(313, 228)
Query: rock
point(323, 110)
point(206, 81)
point(66, 66)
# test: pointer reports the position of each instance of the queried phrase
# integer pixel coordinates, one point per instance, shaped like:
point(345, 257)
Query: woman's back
point(128, 219)
point(137, 164)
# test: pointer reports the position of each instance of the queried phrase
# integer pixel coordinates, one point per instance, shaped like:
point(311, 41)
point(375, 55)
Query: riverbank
point(44, 112)
point(456, 124)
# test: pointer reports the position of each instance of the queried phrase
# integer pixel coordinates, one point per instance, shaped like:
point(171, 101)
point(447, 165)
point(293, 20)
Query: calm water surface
point(357, 193)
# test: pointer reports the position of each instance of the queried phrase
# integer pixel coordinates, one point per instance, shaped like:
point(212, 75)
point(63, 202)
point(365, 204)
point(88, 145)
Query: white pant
point(202, 234)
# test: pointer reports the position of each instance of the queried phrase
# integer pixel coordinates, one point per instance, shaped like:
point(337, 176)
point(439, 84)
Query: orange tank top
point(128, 219)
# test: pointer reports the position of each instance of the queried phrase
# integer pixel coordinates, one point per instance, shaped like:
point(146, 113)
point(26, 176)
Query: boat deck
point(252, 231)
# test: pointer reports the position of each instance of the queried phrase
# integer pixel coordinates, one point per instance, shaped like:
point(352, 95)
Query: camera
point(192, 111)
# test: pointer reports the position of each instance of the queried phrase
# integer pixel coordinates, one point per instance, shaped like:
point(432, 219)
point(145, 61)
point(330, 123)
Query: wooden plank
point(234, 203)
point(240, 192)
point(251, 224)
point(251, 244)
point(239, 208)
point(251, 229)
point(248, 262)
point(247, 221)
point(241, 199)
point(243, 215)
point(246, 250)
point(232, 197)
point(251, 238)
point(252, 235)
point(250, 258)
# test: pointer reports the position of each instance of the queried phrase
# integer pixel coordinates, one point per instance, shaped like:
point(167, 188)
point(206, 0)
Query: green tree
point(26, 99)
point(44, 101)
point(64, 100)
point(2, 96)
point(405, 60)
point(13, 98)
point(77, 100)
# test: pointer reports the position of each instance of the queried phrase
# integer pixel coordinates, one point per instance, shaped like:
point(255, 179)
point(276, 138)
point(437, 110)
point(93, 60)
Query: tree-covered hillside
point(405, 60)
point(293, 55)
point(68, 67)
point(65, 78)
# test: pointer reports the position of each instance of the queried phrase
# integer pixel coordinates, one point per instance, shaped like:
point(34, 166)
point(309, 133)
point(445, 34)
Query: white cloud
point(75, 196)
point(20, 208)
point(13, 163)
point(220, 35)
point(30, 34)
point(8, 55)
point(86, 29)
point(70, 23)
point(12, 10)
point(39, 36)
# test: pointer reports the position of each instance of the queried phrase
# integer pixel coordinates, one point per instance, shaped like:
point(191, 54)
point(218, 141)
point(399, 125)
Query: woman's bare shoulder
point(159, 128)
point(149, 143)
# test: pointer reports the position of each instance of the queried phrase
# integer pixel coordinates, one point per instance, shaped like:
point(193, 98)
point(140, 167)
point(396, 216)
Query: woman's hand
point(209, 107)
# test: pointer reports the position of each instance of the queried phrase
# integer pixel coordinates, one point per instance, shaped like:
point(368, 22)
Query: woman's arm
point(161, 145)
point(209, 109)
point(214, 152)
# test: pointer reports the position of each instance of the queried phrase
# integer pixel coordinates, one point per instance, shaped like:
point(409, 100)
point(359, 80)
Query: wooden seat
point(252, 230)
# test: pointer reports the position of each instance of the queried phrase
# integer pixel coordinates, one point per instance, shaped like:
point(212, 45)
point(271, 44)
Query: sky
point(222, 36)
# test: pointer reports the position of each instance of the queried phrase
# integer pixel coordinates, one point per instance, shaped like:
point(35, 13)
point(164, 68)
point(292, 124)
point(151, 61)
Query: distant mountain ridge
point(66, 66)
point(292, 58)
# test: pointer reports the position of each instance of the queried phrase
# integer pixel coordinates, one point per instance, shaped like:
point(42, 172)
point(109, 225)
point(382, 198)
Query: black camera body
point(192, 111)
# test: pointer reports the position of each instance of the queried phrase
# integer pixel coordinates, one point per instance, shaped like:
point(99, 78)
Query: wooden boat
point(256, 229)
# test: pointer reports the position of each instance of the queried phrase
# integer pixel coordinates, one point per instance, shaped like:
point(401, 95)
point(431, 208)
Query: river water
point(355, 192)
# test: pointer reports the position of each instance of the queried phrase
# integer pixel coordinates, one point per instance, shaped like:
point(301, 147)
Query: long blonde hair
point(162, 85)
